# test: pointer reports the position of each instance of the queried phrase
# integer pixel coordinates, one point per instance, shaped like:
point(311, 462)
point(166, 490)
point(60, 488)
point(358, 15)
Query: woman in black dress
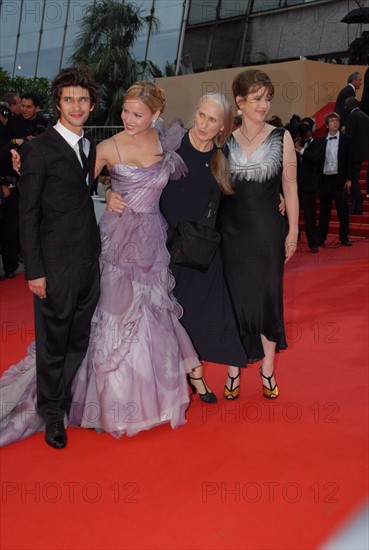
point(208, 314)
point(255, 245)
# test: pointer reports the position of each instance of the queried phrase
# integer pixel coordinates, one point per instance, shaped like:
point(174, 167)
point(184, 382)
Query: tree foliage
point(21, 85)
point(108, 30)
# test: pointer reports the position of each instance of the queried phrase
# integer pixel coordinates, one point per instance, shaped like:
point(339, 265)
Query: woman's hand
point(282, 205)
point(114, 201)
point(290, 245)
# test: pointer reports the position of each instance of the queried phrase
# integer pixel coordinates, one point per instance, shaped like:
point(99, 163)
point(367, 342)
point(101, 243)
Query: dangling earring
point(153, 122)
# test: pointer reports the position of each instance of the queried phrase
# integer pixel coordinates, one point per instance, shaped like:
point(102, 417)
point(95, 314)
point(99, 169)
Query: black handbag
point(194, 244)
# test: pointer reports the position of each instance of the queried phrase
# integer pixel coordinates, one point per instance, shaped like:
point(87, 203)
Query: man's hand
point(6, 191)
point(38, 287)
point(348, 184)
point(16, 160)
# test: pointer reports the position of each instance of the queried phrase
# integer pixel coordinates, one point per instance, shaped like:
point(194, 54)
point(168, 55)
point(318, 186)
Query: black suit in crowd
point(307, 182)
point(20, 127)
point(357, 128)
point(60, 241)
point(365, 97)
point(332, 187)
point(9, 220)
point(339, 108)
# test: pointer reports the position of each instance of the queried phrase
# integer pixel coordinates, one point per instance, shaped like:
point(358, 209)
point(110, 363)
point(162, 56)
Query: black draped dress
point(253, 242)
point(208, 314)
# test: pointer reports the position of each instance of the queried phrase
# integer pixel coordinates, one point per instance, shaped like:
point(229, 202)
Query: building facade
point(36, 36)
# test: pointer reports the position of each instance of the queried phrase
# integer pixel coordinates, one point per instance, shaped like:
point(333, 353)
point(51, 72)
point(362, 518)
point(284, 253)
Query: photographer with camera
point(14, 102)
point(18, 129)
point(29, 123)
point(5, 114)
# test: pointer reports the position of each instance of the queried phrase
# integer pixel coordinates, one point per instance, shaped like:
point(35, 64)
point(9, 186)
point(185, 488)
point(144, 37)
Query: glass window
point(294, 2)
point(163, 44)
point(31, 18)
point(10, 12)
point(202, 11)
point(265, 5)
point(75, 14)
point(233, 8)
point(52, 38)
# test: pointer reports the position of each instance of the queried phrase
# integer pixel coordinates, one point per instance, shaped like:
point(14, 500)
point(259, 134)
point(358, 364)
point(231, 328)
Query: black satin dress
point(253, 242)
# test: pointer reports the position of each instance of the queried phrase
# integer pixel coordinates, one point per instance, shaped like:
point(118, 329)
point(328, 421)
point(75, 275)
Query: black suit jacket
point(20, 127)
point(344, 159)
point(339, 108)
point(357, 128)
point(308, 167)
point(57, 219)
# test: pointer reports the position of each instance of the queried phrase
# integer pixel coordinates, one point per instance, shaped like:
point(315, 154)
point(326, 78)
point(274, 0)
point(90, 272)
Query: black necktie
point(333, 137)
point(84, 159)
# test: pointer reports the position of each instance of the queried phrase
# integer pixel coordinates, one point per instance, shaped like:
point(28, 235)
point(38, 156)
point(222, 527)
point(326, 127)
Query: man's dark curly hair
point(74, 76)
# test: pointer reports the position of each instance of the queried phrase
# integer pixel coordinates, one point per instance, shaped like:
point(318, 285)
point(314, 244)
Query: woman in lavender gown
point(134, 374)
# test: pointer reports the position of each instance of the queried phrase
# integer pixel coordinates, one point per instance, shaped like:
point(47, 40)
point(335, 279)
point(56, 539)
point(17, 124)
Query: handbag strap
point(210, 216)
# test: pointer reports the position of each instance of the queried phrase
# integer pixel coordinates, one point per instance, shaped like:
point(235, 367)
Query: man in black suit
point(357, 128)
point(61, 244)
point(19, 128)
point(335, 180)
point(309, 153)
point(29, 123)
point(354, 82)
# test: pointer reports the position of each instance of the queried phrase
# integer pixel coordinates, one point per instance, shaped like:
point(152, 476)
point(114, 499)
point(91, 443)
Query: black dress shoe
point(320, 243)
point(55, 434)
point(314, 249)
point(346, 242)
point(9, 275)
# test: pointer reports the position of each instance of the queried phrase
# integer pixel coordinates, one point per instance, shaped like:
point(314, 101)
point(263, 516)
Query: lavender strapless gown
point(134, 374)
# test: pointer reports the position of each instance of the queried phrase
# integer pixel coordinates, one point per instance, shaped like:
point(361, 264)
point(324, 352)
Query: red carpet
point(253, 474)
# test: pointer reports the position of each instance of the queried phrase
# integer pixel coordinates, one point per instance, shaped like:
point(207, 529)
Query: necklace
point(206, 147)
point(252, 139)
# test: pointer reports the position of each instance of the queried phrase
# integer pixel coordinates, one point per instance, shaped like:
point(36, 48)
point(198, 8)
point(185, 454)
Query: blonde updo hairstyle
point(148, 93)
point(219, 163)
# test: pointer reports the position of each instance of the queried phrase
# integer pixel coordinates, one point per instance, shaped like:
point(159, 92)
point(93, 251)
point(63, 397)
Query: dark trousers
point(331, 190)
point(357, 199)
point(9, 231)
point(62, 322)
point(308, 204)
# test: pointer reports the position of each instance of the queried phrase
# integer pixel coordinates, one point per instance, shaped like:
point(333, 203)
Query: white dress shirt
point(331, 155)
point(72, 139)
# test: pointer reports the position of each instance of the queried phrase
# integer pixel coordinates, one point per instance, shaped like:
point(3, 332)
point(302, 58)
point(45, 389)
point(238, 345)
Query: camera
point(5, 110)
point(298, 130)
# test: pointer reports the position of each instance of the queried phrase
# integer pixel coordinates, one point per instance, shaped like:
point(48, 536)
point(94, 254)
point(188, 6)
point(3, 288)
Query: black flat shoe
point(346, 242)
point(55, 434)
point(208, 396)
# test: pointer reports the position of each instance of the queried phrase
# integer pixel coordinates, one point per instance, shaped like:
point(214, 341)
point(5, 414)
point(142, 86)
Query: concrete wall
point(311, 29)
point(301, 87)
point(306, 30)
